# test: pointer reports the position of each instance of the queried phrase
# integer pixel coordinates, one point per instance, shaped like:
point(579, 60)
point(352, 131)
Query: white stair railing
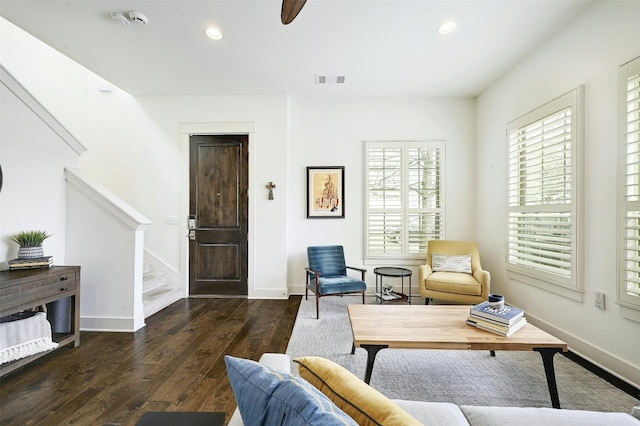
point(105, 236)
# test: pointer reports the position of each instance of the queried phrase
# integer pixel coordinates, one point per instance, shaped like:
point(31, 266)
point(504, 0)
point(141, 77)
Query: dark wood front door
point(219, 204)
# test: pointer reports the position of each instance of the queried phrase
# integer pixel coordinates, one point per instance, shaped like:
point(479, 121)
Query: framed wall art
point(325, 192)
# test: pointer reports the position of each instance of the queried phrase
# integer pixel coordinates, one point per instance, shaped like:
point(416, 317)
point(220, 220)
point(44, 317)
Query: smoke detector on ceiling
point(131, 16)
point(119, 18)
point(138, 17)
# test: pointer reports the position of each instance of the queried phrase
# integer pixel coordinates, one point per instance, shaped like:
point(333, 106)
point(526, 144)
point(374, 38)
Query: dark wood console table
point(24, 289)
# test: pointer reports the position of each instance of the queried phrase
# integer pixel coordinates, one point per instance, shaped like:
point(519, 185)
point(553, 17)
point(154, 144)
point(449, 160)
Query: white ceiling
point(382, 47)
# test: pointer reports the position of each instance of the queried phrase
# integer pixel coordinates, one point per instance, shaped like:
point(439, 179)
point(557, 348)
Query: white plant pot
point(30, 252)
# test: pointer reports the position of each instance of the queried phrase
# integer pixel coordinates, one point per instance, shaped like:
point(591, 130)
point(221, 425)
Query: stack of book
point(388, 296)
point(38, 262)
point(504, 322)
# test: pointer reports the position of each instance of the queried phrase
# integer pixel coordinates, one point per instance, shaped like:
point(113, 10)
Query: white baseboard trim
point(111, 324)
point(599, 357)
point(297, 289)
point(260, 293)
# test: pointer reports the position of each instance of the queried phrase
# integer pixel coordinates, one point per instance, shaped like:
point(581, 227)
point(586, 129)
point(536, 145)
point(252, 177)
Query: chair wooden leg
point(363, 297)
point(317, 305)
point(426, 301)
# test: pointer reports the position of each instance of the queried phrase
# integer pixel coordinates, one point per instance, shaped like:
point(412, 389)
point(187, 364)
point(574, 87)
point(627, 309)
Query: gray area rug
point(514, 379)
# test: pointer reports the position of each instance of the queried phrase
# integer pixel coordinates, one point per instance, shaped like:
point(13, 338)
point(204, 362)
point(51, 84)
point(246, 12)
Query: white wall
point(268, 159)
point(116, 243)
point(134, 149)
point(103, 231)
point(588, 51)
point(117, 133)
point(296, 133)
point(33, 158)
point(331, 131)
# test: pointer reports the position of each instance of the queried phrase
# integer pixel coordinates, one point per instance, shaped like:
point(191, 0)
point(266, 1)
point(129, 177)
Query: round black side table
point(394, 272)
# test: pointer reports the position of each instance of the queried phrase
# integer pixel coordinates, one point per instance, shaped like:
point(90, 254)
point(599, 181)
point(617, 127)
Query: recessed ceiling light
point(213, 33)
point(447, 27)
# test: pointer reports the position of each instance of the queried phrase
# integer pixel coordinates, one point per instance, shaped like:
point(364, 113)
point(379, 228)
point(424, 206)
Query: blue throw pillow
point(268, 397)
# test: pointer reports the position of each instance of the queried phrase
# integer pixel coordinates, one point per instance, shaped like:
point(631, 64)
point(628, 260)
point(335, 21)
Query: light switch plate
point(172, 220)
point(600, 300)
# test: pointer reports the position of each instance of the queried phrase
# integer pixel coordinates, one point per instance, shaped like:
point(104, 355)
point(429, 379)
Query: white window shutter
point(404, 193)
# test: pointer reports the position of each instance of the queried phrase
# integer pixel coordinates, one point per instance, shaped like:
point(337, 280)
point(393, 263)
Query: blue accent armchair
point(327, 274)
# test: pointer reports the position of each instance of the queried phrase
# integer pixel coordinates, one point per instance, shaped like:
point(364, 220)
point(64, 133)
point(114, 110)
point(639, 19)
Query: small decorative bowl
point(496, 301)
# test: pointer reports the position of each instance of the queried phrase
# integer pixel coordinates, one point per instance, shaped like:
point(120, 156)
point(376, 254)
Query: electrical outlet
point(600, 300)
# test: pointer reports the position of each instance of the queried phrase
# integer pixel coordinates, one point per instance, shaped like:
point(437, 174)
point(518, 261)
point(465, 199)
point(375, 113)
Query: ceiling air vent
point(330, 79)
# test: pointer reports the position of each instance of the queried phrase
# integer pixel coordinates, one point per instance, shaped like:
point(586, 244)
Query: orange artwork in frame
point(325, 192)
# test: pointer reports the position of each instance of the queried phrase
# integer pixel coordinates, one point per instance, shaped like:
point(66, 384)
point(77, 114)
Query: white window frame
point(565, 277)
point(628, 292)
point(404, 257)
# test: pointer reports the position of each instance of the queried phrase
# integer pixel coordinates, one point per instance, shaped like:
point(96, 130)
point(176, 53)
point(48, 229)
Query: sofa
point(348, 400)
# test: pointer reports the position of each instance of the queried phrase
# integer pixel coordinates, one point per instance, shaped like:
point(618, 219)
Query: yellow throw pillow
point(363, 403)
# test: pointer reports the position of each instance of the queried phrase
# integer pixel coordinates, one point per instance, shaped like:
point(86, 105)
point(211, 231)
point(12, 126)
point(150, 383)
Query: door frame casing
point(186, 131)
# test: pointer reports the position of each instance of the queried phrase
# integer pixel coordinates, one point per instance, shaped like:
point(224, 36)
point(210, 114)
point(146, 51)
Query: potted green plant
point(30, 243)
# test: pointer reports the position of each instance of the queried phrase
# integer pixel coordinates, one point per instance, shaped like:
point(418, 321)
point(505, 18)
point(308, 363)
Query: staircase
point(157, 292)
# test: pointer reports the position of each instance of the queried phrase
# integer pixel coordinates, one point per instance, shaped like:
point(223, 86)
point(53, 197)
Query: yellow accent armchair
point(460, 287)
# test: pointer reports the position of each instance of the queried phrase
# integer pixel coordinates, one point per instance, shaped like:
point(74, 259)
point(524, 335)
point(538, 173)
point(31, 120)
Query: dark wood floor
point(175, 363)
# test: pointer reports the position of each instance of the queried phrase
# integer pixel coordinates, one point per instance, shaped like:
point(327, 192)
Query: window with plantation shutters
point(629, 223)
point(404, 198)
point(543, 184)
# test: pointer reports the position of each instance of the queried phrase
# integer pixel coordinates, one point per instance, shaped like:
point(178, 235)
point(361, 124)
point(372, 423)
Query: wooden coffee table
point(377, 327)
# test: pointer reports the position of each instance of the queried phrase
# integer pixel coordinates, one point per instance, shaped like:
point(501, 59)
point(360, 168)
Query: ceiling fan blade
point(290, 9)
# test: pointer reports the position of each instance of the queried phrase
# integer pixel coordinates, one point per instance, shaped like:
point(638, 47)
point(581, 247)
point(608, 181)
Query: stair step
point(153, 280)
point(159, 298)
point(157, 291)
